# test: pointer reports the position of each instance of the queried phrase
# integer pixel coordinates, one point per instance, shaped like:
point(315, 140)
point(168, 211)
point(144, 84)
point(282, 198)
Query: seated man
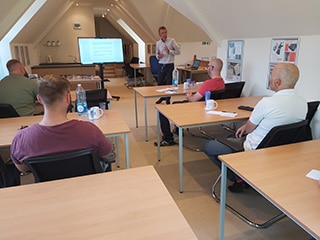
point(215, 83)
point(18, 90)
point(55, 132)
point(284, 107)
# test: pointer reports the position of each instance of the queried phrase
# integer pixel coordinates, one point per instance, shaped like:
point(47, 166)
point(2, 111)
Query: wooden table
point(111, 124)
point(154, 92)
point(190, 115)
point(124, 204)
point(137, 66)
point(279, 174)
point(84, 79)
point(188, 72)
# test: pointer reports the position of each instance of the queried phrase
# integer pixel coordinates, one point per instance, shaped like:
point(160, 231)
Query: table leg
point(158, 134)
point(116, 138)
point(135, 77)
point(145, 118)
point(135, 106)
point(222, 199)
point(180, 159)
point(126, 139)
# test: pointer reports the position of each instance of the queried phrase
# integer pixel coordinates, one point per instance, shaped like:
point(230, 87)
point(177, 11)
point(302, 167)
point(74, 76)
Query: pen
point(228, 112)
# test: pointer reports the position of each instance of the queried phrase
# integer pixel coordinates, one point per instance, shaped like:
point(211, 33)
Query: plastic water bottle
point(175, 77)
point(81, 103)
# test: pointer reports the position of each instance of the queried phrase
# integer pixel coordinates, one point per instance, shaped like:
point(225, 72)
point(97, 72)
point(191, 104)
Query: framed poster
point(282, 50)
point(234, 60)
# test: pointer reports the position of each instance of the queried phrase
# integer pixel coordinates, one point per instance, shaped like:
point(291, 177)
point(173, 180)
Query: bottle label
point(175, 82)
point(81, 108)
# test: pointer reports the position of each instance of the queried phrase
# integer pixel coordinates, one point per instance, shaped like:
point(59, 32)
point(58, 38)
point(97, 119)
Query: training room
point(165, 190)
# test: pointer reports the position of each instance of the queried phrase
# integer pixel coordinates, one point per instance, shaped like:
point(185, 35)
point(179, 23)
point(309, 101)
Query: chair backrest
point(9, 175)
point(134, 60)
point(279, 135)
point(94, 97)
point(312, 108)
point(154, 66)
point(233, 90)
point(215, 95)
point(64, 165)
point(6, 111)
point(285, 134)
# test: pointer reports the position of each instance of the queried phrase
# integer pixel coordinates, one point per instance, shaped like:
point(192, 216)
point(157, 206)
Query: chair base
point(266, 224)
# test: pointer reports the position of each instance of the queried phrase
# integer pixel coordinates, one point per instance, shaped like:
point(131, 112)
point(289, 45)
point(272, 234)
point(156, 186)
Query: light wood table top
point(279, 174)
point(156, 92)
point(199, 70)
point(193, 114)
point(125, 204)
point(76, 79)
point(83, 79)
point(139, 65)
point(111, 123)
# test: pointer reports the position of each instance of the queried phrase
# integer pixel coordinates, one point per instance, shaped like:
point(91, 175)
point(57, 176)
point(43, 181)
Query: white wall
point(188, 49)
point(255, 69)
point(64, 32)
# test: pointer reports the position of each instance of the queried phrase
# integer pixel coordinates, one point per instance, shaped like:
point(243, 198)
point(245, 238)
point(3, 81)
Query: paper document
point(168, 90)
point(222, 113)
point(314, 174)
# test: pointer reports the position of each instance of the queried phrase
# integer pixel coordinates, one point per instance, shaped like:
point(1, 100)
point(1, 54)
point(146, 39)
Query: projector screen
point(100, 50)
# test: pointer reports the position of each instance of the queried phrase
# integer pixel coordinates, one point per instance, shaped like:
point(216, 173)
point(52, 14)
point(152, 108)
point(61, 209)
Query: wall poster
point(282, 50)
point(234, 60)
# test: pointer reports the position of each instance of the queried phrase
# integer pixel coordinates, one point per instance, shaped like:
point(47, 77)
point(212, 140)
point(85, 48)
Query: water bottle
point(175, 77)
point(81, 103)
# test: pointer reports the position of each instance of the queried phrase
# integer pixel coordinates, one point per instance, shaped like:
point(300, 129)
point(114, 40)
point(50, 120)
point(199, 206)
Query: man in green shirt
point(18, 90)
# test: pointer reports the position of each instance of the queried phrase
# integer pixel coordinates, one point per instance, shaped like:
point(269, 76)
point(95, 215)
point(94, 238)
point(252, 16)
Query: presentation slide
point(100, 50)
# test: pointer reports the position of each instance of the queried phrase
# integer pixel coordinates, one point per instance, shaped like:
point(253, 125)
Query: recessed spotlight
point(77, 4)
point(111, 5)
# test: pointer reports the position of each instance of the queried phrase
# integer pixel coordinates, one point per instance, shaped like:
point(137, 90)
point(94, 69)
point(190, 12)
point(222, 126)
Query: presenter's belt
point(165, 64)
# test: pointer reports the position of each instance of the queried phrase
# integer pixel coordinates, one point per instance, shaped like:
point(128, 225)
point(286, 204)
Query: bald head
point(215, 67)
point(217, 64)
point(284, 76)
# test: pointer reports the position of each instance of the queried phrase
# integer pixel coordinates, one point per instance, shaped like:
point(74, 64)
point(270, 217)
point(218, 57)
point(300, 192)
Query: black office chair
point(6, 111)
point(9, 174)
point(233, 90)
point(94, 97)
point(312, 108)
point(154, 67)
point(279, 135)
point(65, 165)
point(130, 76)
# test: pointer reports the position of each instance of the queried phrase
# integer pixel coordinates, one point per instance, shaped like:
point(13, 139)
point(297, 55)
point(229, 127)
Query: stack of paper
point(223, 113)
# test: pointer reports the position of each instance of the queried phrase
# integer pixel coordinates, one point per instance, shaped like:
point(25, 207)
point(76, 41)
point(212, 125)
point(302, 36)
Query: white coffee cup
point(211, 104)
point(95, 113)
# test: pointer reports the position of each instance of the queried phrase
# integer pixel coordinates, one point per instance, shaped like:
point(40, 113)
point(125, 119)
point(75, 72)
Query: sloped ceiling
point(228, 19)
point(10, 12)
point(188, 20)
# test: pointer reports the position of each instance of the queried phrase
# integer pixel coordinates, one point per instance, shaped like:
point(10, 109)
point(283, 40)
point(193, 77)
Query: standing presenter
point(166, 49)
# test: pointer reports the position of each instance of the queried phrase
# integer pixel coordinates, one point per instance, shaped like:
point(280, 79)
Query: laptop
point(195, 65)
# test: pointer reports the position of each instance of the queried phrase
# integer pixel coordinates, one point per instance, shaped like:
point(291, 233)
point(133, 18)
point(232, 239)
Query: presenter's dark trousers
point(165, 77)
